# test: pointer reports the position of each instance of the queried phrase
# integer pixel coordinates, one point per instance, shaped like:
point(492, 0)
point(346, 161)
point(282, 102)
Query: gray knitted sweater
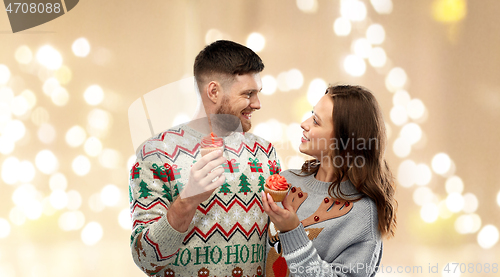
point(335, 237)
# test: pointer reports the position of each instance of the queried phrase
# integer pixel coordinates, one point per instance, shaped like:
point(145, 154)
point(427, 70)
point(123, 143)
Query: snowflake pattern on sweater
point(226, 236)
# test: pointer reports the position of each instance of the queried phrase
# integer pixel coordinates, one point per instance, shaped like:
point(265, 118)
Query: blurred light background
point(65, 88)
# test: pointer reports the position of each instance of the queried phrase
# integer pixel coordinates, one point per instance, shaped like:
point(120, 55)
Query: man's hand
point(199, 187)
point(284, 219)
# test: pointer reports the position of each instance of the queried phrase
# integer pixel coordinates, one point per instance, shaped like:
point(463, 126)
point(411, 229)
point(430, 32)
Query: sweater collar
point(346, 188)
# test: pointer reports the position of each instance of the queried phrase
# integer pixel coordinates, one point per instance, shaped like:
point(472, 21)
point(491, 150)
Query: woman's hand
point(284, 219)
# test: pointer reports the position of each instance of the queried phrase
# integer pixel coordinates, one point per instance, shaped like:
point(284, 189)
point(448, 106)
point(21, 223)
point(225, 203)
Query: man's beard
point(229, 120)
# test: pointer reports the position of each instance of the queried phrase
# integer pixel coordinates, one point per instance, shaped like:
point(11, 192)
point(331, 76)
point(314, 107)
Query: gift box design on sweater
point(274, 167)
point(231, 166)
point(166, 172)
point(255, 166)
point(135, 171)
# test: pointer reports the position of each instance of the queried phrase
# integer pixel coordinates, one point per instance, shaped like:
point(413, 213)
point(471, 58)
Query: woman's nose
point(304, 125)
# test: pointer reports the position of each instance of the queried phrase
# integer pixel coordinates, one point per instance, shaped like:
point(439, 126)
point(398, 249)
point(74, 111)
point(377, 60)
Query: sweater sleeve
point(359, 259)
point(154, 243)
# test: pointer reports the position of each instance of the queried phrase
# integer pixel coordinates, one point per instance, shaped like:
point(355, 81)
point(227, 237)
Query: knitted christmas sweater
point(227, 234)
point(335, 237)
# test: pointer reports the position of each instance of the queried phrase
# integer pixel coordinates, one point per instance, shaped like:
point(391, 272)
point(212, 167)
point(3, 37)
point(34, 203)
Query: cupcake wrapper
point(277, 195)
point(205, 151)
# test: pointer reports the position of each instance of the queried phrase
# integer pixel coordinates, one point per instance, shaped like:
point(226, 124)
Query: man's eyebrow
point(251, 90)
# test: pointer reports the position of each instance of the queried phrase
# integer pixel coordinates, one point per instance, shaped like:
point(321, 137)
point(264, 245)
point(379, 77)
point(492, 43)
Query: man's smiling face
point(242, 100)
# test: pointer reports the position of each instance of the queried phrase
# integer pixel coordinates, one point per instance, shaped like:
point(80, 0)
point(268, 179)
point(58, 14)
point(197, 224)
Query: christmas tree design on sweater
point(244, 184)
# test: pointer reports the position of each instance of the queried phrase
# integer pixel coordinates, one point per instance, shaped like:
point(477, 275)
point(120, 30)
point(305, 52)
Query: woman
point(341, 202)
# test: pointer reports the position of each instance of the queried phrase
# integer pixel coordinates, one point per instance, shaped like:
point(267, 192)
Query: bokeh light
point(354, 65)
point(124, 219)
point(361, 47)
point(72, 220)
point(81, 165)
point(281, 80)
point(81, 47)
point(270, 130)
point(423, 195)
point(7, 145)
point(294, 79)
point(441, 163)
point(375, 34)
point(353, 10)
point(60, 96)
point(444, 212)
point(110, 158)
point(23, 54)
point(398, 115)
point(401, 147)
point(498, 198)
point(58, 181)
point(75, 136)
point(92, 233)
point(180, 119)
point(416, 109)
point(17, 216)
point(294, 162)
point(487, 237)
point(256, 42)
point(396, 79)
point(378, 57)
point(11, 170)
point(110, 195)
point(269, 85)
point(429, 212)
point(46, 133)
point(19, 105)
point(49, 57)
point(342, 26)
point(39, 116)
point(93, 95)
point(454, 184)
point(411, 132)
point(28, 171)
point(98, 122)
point(293, 134)
point(406, 173)
point(455, 202)
point(50, 85)
point(307, 6)
point(30, 98)
point(449, 10)
point(74, 200)
point(59, 199)
point(4, 74)
point(4, 228)
point(93, 146)
point(423, 174)
point(382, 6)
point(471, 203)
point(213, 35)
point(316, 90)
point(14, 130)
point(401, 98)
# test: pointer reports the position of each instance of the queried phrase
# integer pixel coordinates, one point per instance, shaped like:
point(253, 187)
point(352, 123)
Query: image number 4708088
point(26, 14)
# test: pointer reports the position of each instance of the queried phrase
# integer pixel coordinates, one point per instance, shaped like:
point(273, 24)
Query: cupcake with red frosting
point(211, 143)
point(277, 187)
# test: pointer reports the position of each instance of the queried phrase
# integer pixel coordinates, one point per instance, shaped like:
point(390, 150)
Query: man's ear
point(213, 90)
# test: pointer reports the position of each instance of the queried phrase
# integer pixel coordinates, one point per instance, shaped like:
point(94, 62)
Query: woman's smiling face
point(318, 130)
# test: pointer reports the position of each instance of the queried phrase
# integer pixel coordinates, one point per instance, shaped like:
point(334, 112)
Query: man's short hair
point(227, 59)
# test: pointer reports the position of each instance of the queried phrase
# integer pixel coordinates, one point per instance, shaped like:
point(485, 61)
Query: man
point(192, 217)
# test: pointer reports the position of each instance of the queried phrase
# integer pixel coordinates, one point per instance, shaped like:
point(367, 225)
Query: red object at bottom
point(280, 268)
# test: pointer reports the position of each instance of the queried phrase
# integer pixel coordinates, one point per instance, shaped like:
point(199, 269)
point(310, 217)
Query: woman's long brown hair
point(359, 142)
